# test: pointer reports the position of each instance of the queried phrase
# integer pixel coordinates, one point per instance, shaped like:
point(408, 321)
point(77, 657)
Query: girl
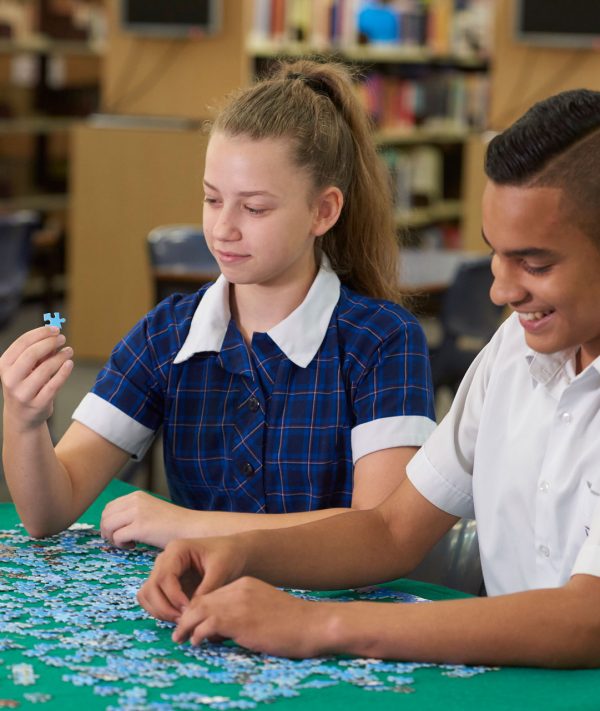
point(293, 386)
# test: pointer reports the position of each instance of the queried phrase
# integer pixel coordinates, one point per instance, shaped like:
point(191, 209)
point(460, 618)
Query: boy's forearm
point(549, 628)
point(346, 550)
point(199, 524)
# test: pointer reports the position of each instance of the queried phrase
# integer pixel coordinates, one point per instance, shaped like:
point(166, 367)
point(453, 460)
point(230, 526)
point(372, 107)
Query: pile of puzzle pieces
point(68, 607)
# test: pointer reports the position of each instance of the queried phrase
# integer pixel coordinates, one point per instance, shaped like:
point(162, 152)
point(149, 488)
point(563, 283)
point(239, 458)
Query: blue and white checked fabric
point(248, 429)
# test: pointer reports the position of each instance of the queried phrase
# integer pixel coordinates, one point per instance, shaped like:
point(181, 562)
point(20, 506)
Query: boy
point(520, 450)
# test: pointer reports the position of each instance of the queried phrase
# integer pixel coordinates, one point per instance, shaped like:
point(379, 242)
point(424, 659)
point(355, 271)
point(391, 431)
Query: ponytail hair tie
point(318, 85)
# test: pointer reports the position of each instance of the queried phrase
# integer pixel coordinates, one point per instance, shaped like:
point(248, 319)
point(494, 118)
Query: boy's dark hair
point(556, 143)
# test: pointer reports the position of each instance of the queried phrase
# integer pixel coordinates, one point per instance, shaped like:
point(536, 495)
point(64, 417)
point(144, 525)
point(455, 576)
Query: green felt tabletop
point(506, 688)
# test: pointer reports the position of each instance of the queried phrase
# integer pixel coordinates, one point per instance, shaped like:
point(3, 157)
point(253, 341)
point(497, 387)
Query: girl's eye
point(255, 210)
point(210, 200)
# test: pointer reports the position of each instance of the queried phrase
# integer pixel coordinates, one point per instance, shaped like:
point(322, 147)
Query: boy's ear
point(329, 203)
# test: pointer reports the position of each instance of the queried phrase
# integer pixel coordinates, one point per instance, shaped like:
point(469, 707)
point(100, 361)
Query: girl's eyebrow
point(243, 193)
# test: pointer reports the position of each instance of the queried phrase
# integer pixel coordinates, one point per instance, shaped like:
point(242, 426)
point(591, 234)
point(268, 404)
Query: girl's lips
point(230, 257)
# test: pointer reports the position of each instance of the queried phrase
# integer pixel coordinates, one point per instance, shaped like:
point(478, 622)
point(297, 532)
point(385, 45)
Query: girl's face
point(260, 214)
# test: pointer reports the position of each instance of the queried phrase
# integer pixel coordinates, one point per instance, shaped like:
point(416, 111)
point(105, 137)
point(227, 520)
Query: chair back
point(468, 320)
point(16, 231)
point(467, 309)
point(180, 259)
point(454, 561)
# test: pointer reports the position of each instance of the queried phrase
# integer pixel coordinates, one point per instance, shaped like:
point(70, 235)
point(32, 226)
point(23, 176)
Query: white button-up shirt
point(520, 451)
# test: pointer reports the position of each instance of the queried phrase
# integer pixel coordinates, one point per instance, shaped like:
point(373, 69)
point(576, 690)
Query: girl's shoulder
point(173, 315)
point(371, 314)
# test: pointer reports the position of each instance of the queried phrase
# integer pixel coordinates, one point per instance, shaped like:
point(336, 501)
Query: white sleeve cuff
point(387, 432)
point(588, 560)
point(114, 425)
point(453, 496)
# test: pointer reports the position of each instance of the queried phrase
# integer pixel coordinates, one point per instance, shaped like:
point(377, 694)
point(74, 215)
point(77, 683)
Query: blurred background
point(102, 104)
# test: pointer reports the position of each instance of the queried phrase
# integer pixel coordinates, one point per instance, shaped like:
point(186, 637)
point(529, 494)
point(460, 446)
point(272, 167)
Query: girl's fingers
point(50, 390)
point(30, 358)
point(49, 375)
point(26, 340)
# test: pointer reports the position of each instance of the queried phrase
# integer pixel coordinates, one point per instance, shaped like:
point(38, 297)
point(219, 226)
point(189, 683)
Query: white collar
point(299, 335)
point(544, 367)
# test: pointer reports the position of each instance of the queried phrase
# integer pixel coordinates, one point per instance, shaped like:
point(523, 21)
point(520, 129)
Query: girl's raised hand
point(32, 371)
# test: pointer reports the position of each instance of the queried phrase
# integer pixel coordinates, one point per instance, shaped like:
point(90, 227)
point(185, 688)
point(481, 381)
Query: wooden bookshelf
point(40, 44)
point(426, 90)
point(361, 54)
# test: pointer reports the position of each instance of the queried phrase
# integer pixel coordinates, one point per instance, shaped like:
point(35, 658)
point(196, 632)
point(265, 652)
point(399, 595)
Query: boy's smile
point(545, 268)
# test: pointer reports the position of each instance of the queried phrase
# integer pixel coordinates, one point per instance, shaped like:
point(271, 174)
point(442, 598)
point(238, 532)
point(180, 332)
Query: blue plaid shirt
point(272, 428)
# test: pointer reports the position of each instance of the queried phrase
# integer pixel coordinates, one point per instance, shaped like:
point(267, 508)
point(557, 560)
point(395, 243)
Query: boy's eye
point(533, 269)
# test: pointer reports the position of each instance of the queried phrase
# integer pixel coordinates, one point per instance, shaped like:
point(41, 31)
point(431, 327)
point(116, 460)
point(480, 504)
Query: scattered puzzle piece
point(55, 320)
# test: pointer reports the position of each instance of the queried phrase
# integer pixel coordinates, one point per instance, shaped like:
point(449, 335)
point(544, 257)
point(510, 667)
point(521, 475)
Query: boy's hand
point(257, 616)
point(32, 371)
point(189, 567)
point(141, 517)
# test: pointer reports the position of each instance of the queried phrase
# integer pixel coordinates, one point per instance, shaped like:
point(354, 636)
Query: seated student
point(520, 450)
point(280, 390)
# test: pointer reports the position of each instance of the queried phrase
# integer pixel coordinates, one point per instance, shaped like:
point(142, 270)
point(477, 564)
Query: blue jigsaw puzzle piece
point(55, 320)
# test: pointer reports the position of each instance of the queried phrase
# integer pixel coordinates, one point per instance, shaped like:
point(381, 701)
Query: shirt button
point(565, 417)
point(544, 550)
point(253, 404)
point(544, 486)
point(247, 468)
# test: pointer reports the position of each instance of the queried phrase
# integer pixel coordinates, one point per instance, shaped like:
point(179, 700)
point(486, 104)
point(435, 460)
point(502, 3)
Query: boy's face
point(545, 268)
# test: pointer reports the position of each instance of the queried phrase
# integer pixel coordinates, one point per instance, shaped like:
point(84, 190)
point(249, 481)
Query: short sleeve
point(393, 397)
point(131, 380)
point(126, 403)
point(588, 559)
point(442, 470)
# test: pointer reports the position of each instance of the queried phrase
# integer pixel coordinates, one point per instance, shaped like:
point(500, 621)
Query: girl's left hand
point(257, 616)
point(141, 517)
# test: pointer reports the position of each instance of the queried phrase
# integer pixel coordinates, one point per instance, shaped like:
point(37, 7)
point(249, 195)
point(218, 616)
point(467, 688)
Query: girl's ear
point(329, 203)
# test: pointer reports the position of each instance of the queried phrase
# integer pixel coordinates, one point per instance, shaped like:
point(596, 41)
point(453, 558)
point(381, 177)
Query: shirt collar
point(544, 367)
point(299, 335)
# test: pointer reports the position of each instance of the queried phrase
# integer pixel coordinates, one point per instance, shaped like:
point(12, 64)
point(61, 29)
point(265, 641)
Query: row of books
point(450, 100)
point(444, 27)
point(417, 176)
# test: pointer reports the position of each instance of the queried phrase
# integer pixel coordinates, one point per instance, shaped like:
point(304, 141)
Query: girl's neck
point(256, 308)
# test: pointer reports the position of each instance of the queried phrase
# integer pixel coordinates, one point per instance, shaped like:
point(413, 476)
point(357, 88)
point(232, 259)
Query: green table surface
point(506, 688)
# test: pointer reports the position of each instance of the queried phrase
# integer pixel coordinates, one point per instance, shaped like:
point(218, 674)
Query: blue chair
point(16, 231)
point(180, 259)
point(180, 262)
point(468, 320)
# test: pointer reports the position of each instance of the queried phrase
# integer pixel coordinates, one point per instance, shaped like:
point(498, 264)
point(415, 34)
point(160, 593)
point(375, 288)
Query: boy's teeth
point(534, 315)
